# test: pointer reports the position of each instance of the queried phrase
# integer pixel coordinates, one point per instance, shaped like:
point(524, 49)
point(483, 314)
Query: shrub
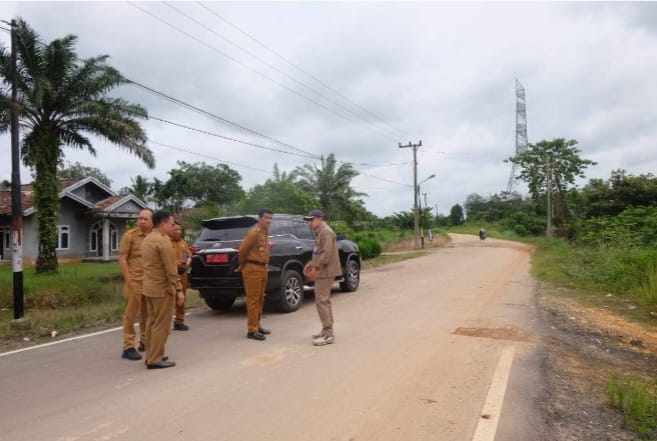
point(524, 224)
point(369, 247)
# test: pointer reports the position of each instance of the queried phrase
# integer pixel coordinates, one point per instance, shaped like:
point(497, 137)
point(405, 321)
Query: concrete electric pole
point(415, 189)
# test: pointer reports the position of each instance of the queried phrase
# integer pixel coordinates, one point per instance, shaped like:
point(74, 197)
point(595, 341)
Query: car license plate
point(217, 258)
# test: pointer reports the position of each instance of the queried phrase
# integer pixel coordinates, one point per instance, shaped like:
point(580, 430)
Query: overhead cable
point(271, 66)
point(284, 59)
point(267, 77)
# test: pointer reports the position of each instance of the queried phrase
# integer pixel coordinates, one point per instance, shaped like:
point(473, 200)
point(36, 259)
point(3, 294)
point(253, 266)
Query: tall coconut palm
point(61, 99)
point(330, 184)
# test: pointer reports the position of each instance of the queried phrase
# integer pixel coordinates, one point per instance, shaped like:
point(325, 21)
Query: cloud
point(438, 72)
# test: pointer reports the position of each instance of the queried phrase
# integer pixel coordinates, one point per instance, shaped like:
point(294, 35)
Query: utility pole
point(548, 190)
point(16, 202)
point(425, 199)
point(415, 189)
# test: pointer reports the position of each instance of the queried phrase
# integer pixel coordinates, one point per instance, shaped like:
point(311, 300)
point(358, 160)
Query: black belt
point(256, 262)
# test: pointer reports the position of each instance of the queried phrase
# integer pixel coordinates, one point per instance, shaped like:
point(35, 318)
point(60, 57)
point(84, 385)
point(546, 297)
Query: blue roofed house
point(92, 219)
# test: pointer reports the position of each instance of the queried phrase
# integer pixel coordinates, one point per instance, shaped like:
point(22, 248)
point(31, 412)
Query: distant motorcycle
point(482, 234)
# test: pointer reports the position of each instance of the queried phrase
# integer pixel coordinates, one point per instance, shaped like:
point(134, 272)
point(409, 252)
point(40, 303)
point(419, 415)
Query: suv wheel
point(351, 276)
point(291, 291)
point(220, 303)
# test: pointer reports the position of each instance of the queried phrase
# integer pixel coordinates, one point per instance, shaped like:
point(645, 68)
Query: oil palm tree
point(62, 99)
point(330, 184)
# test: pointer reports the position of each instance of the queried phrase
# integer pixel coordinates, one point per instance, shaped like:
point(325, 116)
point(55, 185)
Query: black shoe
point(131, 354)
point(141, 347)
point(180, 327)
point(161, 365)
point(165, 358)
point(255, 336)
point(264, 331)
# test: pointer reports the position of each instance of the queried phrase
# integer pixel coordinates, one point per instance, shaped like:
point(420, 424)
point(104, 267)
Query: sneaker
point(325, 339)
point(180, 327)
point(131, 354)
point(319, 334)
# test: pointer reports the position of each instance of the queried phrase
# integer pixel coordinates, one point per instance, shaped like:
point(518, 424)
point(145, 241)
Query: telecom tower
point(521, 131)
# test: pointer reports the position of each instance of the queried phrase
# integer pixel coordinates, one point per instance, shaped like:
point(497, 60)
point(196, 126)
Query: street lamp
point(417, 210)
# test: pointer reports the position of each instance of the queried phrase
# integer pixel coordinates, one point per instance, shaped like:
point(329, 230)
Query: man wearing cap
point(326, 264)
point(253, 261)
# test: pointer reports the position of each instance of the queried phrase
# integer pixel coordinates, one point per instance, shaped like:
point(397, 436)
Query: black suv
point(291, 241)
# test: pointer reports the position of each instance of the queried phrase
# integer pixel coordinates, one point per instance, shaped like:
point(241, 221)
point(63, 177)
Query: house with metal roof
point(92, 218)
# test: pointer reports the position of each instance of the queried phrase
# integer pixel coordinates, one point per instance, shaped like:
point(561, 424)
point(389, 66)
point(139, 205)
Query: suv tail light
point(271, 245)
point(194, 250)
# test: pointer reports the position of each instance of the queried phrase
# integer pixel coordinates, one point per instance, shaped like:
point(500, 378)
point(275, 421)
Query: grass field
point(79, 295)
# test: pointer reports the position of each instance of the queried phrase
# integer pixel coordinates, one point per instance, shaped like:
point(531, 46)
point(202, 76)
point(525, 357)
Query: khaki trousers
point(135, 303)
point(323, 303)
point(255, 283)
point(180, 309)
point(159, 324)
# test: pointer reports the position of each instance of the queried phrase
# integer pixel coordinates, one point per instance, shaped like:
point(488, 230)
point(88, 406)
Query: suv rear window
point(226, 229)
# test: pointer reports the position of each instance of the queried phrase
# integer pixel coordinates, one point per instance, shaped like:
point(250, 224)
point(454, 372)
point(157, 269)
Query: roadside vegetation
point(636, 397)
point(78, 295)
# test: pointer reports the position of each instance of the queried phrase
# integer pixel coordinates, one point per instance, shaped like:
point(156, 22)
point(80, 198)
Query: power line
point(206, 132)
point(399, 132)
point(194, 129)
point(267, 77)
point(271, 66)
point(216, 117)
point(202, 155)
point(213, 116)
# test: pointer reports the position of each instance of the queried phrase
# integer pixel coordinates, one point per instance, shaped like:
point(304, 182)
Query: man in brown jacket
point(133, 272)
point(161, 288)
point(326, 263)
point(253, 261)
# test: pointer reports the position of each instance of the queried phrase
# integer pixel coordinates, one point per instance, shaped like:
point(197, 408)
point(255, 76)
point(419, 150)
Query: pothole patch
point(512, 333)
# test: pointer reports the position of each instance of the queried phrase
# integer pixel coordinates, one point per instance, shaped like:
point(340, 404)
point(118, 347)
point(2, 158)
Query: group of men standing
point(154, 259)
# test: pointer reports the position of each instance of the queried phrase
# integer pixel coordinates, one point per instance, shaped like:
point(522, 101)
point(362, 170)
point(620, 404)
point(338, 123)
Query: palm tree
point(331, 186)
point(61, 98)
point(141, 188)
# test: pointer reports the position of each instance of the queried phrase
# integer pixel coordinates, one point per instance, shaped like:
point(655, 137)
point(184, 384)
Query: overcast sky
point(442, 73)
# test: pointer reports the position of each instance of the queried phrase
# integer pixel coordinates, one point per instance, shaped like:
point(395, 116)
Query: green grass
point(79, 295)
point(636, 398)
point(75, 284)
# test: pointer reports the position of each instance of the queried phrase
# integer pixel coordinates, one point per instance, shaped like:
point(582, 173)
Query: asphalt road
point(442, 347)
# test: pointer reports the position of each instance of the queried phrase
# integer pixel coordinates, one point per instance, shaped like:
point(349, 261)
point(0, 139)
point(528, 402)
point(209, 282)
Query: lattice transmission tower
point(521, 131)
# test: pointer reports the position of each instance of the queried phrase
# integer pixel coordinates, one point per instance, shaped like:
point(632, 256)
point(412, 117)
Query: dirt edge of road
point(584, 347)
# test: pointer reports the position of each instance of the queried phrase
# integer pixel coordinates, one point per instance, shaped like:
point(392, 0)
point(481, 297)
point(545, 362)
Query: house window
point(63, 236)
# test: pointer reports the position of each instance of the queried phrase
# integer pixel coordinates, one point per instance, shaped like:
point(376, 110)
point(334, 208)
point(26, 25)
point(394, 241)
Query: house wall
point(91, 193)
point(72, 214)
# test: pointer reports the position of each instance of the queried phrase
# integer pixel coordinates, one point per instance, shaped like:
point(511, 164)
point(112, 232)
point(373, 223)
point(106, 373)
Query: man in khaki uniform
point(161, 288)
point(131, 266)
point(253, 261)
point(183, 260)
point(326, 264)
